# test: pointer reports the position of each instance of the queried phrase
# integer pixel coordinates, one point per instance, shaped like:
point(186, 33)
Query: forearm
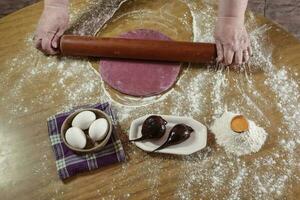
point(232, 8)
point(56, 3)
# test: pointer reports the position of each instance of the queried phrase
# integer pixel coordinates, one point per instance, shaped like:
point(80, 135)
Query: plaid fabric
point(68, 163)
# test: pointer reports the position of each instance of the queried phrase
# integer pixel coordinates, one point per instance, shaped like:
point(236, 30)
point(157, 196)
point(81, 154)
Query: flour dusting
point(216, 172)
point(58, 84)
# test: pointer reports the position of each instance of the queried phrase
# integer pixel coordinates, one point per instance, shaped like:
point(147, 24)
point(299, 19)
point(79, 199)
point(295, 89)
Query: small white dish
point(194, 143)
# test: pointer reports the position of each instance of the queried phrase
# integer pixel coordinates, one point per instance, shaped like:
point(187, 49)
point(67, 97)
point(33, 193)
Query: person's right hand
point(53, 23)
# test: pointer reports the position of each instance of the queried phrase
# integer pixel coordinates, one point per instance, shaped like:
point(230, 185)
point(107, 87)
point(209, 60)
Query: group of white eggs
point(97, 129)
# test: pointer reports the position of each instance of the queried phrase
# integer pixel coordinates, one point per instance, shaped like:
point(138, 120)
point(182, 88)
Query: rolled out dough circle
point(140, 78)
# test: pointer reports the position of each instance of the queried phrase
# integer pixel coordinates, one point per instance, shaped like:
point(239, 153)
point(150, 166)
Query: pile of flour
point(238, 143)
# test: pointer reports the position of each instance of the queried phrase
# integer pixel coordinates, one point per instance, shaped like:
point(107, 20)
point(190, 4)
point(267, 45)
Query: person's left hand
point(232, 41)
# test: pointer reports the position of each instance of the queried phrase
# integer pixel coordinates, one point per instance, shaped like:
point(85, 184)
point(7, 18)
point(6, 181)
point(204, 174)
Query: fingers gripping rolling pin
point(138, 49)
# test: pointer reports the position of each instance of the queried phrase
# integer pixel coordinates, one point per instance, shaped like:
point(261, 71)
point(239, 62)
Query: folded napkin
point(69, 163)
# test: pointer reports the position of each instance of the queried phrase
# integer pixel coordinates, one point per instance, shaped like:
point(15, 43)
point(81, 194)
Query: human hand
point(53, 23)
point(232, 41)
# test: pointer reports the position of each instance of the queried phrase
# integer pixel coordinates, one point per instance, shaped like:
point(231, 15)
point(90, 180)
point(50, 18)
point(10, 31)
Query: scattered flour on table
point(238, 143)
point(205, 174)
point(210, 173)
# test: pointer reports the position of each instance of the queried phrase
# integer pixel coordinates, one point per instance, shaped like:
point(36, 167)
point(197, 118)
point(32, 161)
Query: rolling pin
point(157, 50)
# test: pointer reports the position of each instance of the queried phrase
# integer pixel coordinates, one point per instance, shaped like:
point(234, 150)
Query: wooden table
point(31, 90)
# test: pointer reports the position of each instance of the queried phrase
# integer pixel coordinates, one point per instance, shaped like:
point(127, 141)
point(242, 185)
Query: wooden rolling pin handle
point(71, 45)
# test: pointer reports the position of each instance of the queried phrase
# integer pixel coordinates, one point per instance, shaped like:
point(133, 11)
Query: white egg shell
point(98, 129)
point(84, 119)
point(75, 137)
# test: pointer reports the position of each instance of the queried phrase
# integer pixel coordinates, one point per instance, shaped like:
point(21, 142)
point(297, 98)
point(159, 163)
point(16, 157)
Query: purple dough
point(140, 78)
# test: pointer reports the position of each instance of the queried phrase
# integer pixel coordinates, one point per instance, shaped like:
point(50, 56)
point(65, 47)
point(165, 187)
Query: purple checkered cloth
point(69, 163)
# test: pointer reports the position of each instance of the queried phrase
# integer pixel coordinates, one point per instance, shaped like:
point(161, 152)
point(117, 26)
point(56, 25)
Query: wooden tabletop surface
point(27, 165)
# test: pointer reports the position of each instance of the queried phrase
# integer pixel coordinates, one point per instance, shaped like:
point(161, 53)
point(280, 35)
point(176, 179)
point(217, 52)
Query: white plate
point(194, 143)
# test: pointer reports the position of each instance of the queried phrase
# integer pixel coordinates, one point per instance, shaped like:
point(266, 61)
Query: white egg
point(98, 129)
point(75, 137)
point(84, 119)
